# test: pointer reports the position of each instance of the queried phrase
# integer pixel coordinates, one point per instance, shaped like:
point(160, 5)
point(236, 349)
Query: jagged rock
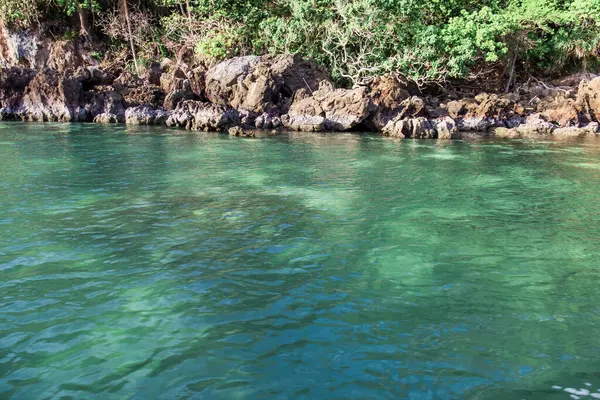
point(535, 125)
point(417, 128)
point(153, 73)
point(569, 132)
point(591, 129)
point(182, 83)
point(588, 100)
point(51, 96)
point(13, 82)
point(260, 84)
point(93, 76)
point(106, 118)
point(412, 107)
point(145, 115)
point(268, 121)
point(235, 131)
point(146, 94)
point(238, 131)
point(485, 111)
point(329, 109)
point(304, 123)
point(445, 127)
point(104, 100)
point(387, 93)
point(200, 116)
point(559, 110)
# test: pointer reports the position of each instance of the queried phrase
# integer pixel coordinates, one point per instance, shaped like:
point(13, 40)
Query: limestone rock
point(485, 111)
point(416, 128)
point(445, 127)
point(329, 109)
point(200, 116)
point(387, 93)
point(145, 115)
point(51, 96)
point(588, 99)
point(260, 84)
point(106, 118)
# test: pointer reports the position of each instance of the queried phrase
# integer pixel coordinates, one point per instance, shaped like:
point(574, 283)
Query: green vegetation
point(357, 39)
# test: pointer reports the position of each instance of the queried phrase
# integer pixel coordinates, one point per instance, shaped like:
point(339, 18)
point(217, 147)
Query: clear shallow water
point(142, 264)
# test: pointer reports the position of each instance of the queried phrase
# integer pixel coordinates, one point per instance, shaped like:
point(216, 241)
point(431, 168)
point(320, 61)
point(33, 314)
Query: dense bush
point(358, 39)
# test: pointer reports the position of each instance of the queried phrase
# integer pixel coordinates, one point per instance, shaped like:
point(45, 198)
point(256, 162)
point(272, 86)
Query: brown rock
point(561, 111)
point(260, 84)
point(417, 128)
point(51, 96)
point(387, 93)
point(145, 115)
point(588, 100)
point(329, 108)
point(200, 116)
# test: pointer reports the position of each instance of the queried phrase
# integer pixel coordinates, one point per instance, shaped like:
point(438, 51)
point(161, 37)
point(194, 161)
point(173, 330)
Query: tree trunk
point(189, 15)
point(130, 34)
point(511, 68)
point(84, 23)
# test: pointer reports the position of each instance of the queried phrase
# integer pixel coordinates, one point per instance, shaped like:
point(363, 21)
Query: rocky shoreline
point(244, 95)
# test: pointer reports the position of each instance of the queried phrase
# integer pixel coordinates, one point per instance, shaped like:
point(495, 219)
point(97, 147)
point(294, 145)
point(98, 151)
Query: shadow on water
point(302, 266)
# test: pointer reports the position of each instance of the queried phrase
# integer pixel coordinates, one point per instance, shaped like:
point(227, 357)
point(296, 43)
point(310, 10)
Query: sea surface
point(157, 264)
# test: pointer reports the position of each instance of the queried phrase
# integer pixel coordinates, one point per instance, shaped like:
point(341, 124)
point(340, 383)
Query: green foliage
point(434, 40)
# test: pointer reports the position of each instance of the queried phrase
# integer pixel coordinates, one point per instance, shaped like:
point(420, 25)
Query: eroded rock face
point(421, 128)
point(268, 121)
point(51, 96)
point(21, 49)
point(387, 93)
point(181, 83)
point(560, 110)
point(535, 126)
point(588, 99)
point(260, 84)
point(106, 118)
point(29, 48)
point(416, 128)
point(328, 109)
point(485, 111)
point(200, 116)
point(145, 115)
point(13, 82)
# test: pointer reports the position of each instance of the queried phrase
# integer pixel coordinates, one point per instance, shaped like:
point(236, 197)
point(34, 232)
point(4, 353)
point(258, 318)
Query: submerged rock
point(239, 131)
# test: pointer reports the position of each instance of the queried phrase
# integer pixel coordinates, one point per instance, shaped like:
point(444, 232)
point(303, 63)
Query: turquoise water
point(145, 264)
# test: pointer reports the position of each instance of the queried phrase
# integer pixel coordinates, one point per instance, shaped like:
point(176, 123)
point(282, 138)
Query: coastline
point(248, 95)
